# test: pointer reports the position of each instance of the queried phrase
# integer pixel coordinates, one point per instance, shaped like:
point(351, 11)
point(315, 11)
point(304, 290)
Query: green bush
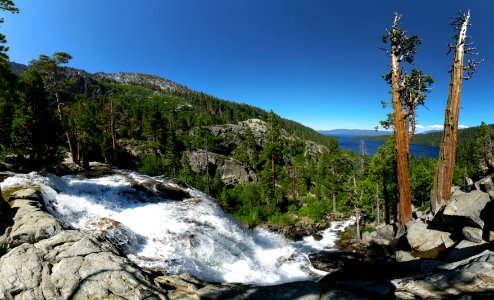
point(314, 208)
point(279, 218)
point(151, 164)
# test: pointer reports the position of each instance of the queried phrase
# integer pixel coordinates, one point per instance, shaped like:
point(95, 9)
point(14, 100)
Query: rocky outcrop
point(300, 228)
point(446, 256)
point(83, 83)
point(412, 278)
point(425, 241)
point(463, 227)
point(472, 276)
point(185, 286)
point(72, 265)
point(46, 261)
point(26, 221)
point(152, 81)
point(464, 209)
point(231, 172)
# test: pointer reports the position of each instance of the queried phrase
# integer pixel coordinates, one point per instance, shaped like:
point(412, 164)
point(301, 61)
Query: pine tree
point(217, 185)
point(186, 173)
point(171, 156)
point(9, 6)
point(407, 93)
point(154, 128)
point(8, 82)
point(273, 145)
point(484, 143)
point(51, 68)
point(86, 128)
point(273, 151)
point(33, 128)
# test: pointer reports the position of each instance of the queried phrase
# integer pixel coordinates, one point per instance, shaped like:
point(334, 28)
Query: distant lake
point(352, 143)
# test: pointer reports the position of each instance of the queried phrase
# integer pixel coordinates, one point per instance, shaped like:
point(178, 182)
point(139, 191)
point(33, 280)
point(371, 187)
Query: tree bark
point(378, 205)
point(443, 180)
point(334, 203)
point(401, 145)
point(273, 170)
point(63, 121)
point(357, 222)
point(113, 135)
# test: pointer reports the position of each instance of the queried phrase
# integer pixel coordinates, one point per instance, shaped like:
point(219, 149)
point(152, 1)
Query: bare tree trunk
point(334, 203)
point(65, 127)
point(378, 205)
point(401, 143)
point(273, 170)
point(207, 170)
point(357, 221)
point(113, 135)
point(357, 211)
point(446, 163)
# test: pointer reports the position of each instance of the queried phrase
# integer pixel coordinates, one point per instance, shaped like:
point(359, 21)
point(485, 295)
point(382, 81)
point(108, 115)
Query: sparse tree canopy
point(408, 91)
point(51, 68)
point(8, 5)
point(447, 155)
point(5, 5)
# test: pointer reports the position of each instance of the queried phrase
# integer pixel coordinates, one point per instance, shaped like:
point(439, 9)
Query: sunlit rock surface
point(44, 261)
point(176, 232)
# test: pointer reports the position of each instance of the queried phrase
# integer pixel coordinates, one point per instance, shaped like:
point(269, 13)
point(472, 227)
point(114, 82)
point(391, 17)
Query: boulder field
point(448, 255)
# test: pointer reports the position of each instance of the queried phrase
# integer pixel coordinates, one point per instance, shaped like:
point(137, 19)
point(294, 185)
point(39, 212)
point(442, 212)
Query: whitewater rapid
point(193, 235)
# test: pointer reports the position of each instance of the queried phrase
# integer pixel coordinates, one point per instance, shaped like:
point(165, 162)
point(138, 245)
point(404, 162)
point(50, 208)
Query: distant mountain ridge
point(95, 84)
point(355, 132)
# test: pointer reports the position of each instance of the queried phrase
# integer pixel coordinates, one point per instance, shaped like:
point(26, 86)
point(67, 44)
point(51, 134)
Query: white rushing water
point(193, 235)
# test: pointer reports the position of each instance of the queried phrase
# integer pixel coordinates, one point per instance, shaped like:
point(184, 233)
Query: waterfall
point(192, 235)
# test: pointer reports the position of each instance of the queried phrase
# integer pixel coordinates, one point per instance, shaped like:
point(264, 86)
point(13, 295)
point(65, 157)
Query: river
point(192, 235)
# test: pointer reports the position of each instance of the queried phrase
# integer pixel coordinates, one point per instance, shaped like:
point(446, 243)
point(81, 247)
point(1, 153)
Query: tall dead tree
point(443, 180)
point(408, 91)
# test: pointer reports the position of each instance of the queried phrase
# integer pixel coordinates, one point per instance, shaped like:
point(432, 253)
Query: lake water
point(353, 144)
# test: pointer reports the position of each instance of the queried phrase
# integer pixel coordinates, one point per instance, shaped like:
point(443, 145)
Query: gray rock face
point(427, 242)
point(403, 256)
point(472, 276)
point(44, 261)
point(257, 126)
point(464, 209)
point(472, 234)
point(466, 249)
point(231, 172)
point(141, 79)
point(29, 223)
point(72, 265)
point(486, 185)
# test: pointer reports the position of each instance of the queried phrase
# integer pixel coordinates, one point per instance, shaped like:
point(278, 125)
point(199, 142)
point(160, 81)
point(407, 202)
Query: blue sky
point(313, 61)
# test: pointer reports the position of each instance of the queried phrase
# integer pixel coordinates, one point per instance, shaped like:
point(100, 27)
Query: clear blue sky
point(313, 61)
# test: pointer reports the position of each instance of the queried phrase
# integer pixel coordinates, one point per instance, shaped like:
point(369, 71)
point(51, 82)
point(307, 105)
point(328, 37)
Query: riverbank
point(44, 255)
point(43, 259)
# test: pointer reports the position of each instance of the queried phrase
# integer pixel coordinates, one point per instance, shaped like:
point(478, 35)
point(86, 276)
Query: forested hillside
point(259, 166)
